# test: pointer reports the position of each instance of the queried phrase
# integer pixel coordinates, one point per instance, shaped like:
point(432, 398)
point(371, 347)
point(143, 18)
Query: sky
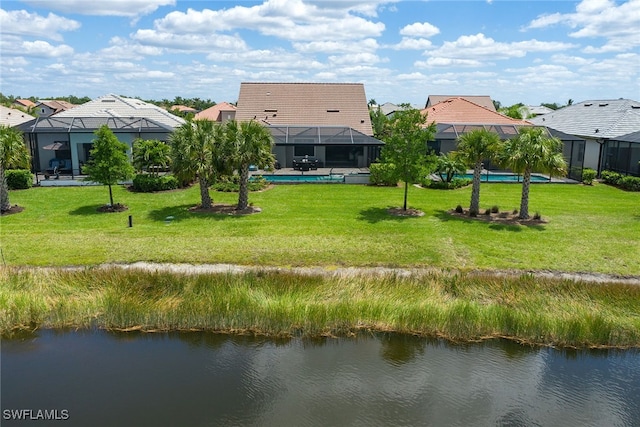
point(402, 51)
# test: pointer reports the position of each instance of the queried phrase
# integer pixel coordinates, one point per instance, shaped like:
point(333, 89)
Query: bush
point(588, 175)
point(495, 209)
point(537, 216)
point(144, 183)
point(455, 183)
point(610, 177)
point(383, 174)
point(629, 183)
point(459, 209)
point(18, 179)
point(232, 184)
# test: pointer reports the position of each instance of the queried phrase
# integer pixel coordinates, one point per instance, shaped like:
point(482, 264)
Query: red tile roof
point(305, 104)
point(482, 100)
point(24, 102)
point(215, 112)
point(463, 111)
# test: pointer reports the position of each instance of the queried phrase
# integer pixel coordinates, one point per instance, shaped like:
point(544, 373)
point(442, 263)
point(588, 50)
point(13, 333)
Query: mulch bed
point(507, 218)
point(402, 212)
point(226, 210)
point(118, 207)
point(12, 210)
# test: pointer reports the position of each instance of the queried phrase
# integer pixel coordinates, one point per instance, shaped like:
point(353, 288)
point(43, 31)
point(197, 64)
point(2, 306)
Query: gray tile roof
point(595, 119)
point(305, 104)
point(631, 137)
point(13, 117)
point(118, 106)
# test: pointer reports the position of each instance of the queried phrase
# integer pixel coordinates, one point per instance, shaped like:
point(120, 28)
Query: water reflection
point(195, 378)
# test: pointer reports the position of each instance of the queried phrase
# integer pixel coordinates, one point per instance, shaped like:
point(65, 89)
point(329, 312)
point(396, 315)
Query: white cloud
point(409, 43)
point(420, 29)
point(478, 46)
point(286, 19)
point(365, 45)
point(600, 19)
point(126, 8)
point(40, 49)
point(448, 62)
point(23, 23)
point(146, 75)
point(189, 42)
point(362, 58)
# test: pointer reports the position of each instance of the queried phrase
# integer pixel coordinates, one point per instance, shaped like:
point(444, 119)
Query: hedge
point(383, 174)
point(144, 183)
point(629, 183)
point(18, 179)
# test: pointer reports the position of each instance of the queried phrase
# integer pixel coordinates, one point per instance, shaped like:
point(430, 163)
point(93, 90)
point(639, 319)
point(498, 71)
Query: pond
point(98, 378)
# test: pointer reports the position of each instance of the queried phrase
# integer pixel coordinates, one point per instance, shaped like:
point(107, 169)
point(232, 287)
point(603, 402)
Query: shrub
point(459, 209)
point(630, 183)
point(145, 183)
point(610, 177)
point(383, 174)
point(588, 175)
point(232, 184)
point(19, 179)
point(495, 209)
point(537, 216)
point(487, 212)
point(455, 183)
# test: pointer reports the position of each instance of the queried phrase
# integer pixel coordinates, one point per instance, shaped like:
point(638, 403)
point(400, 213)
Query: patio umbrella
point(57, 146)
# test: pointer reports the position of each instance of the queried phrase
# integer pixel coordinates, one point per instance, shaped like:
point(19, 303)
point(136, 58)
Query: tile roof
point(56, 105)
point(631, 137)
point(13, 117)
point(463, 111)
point(214, 112)
point(183, 109)
point(482, 100)
point(595, 119)
point(24, 102)
point(306, 104)
point(118, 106)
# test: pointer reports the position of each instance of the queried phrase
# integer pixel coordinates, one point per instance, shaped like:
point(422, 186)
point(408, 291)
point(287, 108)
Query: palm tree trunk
point(205, 198)
point(406, 189)
point(243, 193)
point(524, 200)
point(5, 205)
point(475, 191)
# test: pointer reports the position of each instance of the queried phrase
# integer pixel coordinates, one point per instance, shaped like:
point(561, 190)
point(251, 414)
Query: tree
point(473, 148)
point(532, 151)
point(379, 122)
point(13, 155)
point(448, 165)
point(151, 155)
point(515, 111)
point(109, 161)
point(252, 144)
point(406, 145)
point(198, 152)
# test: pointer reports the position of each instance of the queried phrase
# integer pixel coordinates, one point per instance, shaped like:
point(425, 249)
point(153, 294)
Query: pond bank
point(459, 306)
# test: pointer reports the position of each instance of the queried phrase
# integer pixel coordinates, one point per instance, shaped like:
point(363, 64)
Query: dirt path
point(353, 271)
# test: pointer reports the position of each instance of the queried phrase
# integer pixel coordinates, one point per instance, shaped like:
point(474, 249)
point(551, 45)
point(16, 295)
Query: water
point(303, 178)
point(504, 177)
point(201, 379)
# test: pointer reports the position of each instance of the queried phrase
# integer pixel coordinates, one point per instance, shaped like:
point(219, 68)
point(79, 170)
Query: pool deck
point(319, 171)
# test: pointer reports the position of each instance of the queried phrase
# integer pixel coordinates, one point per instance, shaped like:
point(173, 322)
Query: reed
point(461, 307)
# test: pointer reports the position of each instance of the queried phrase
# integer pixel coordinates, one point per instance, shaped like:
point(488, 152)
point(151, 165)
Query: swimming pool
point(504, 177)
point(292, 179)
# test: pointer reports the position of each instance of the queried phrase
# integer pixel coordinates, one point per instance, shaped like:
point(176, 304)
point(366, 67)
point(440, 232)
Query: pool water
point(303, 178)
point(504, 177)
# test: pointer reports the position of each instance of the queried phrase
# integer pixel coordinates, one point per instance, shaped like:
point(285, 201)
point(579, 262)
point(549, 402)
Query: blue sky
point(403, 51)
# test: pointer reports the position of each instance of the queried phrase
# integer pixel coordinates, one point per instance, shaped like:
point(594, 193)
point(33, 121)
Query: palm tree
point(13, 154)
point(473, 148)
point(252, 144)
point(151, 155)
point(532, 151)
point(195, 150)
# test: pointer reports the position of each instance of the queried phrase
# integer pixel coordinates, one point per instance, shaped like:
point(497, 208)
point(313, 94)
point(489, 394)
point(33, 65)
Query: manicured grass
point(458, 306)
point(589, 229)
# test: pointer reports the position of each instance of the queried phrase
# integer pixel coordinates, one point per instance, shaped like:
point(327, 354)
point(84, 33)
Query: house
point(482, 100)
point(23, 103)
point(457, 116)
point(13, 117)
point(536, 110)
point(327, 121)
point(222, 112)
point(600, 123)
point(46, 108)
point(622, 154)
point(65, 139)
point(183, 109)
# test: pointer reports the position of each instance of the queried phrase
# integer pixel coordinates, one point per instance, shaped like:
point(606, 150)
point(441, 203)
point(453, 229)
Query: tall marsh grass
point(454, 306)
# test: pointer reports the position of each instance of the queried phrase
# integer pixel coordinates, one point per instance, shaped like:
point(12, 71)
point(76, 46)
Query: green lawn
point(589, 229)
